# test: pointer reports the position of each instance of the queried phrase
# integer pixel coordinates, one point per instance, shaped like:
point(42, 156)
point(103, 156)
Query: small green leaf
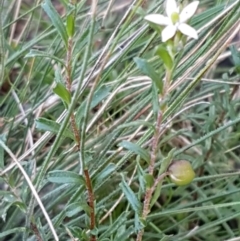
point(3, 210)
point(141, 174)
point(139, 223)
point(165, 56)
point(125, 235)
point(7, 196)
point(149, 180)
point(41, 229)
point(166, 161)
point(75, 208)
point(56, 20)
point(148, 70)
point(58, 176)
point(236, 58)
point(105, 173)
point(5, 206)
point(156, 194)
point(21, 206)
point(136, 149)
point(155, 99)
point(63, 93)
point(235, 55)
point(121, 220)
point(12, 231)
point(136, 123)
point(3, 139)
point(71, 25)
point(165, 164)
point(36, 53)
point(98, 96)
point(52, 126)
point(94, 231)
point(131, 197)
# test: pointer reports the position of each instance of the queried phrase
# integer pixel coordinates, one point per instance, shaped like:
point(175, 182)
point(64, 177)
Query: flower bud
point(181, 172)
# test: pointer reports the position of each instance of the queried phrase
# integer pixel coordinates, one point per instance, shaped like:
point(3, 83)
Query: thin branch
point(90, 203)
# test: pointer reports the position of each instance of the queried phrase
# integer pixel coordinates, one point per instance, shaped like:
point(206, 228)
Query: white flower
point(175, 20)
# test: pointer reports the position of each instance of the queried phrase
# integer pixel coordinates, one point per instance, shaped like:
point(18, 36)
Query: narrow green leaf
point(52, 126)
point(56, 20)
point(166, 238)
point(136, 123)
point(136, 149)
point(131, 197)
point(236, 58)
point(148, 70)
point(141, 174)
point(139, 223)
point(115, 226)
point(166, 161)
point(94, 231)
point(7, 196)
point(5, 206)
point(235, 55)
point(125, 235)
point(155, 99)
point(58, 176)
point(3, 210)
point(70, 25)
point(36, 53)
point(169, 212)
point(21, 206)
point(62, 92)
point(156, 194)
point(3, 139)
point(12, 231)
point(77, 207)
point(58, 77)
point(73, 209)
point(165, 56)
point(164, 165)
point(149, 180)
point(208, 135)
point(41, 229)
point(99, 95)
point(105, 173)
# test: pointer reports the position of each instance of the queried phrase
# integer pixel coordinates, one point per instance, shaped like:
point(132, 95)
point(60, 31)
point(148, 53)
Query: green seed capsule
point(181, 172)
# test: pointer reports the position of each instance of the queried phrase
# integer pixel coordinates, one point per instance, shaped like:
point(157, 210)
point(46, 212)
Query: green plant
point(94, 108)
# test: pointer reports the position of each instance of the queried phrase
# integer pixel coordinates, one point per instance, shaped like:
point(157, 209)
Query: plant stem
point(69, 88)
point(150, 190)
point(90, 203)
point(78, 143)
point(155, 142)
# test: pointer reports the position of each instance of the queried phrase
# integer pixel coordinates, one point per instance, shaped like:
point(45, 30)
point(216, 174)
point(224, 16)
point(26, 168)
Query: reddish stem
point(90, 203)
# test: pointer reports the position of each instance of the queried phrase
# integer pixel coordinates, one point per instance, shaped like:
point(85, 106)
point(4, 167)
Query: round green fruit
point(181, 172)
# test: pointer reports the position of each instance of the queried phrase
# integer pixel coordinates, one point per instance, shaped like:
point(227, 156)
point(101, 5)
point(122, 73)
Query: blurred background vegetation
point(204, 129)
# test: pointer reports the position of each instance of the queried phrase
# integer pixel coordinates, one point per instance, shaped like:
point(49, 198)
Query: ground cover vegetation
point(119, 120)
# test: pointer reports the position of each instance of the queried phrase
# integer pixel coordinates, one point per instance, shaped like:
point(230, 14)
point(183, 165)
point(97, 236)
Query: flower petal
point(188, 30)
point(188, 11)
point(168, 32)
point(171, 7)
point(158, 19)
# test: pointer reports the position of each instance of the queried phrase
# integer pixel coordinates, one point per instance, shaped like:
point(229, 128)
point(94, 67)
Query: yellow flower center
point(175, 17)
